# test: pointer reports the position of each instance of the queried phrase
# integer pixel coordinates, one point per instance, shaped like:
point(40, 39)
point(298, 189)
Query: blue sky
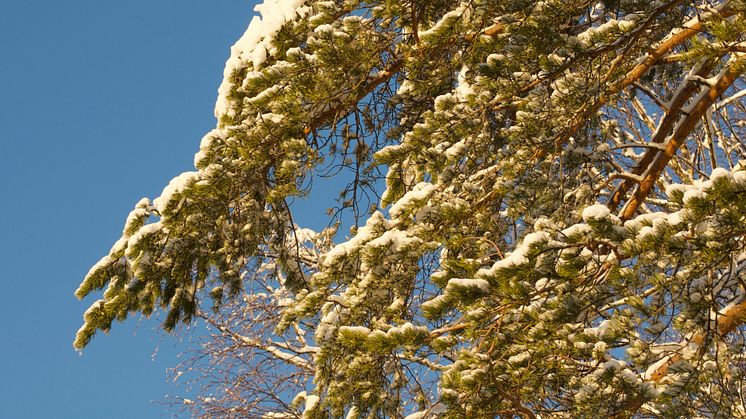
point(101, 103)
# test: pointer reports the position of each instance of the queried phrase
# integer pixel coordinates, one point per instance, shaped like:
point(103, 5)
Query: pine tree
point(548, 202)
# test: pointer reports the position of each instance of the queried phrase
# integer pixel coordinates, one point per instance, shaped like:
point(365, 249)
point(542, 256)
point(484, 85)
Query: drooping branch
point(282, 352)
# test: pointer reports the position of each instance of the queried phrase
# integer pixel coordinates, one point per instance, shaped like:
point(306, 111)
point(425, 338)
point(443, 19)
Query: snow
point(133, 218)
point(405, 328)
point(629, 377)
point(355, 330)
point(644, 232)
point(542, 283)
point(419, 193)
point(328, 324)
point(311, 402)
point(443, 101)
point(446, 21)
point(305, 235)
point(143, 233)
point(206, 145)
point(364, 235)
point(535, 238)
point(395, 334)
point(512, 259)
point(653, 369)
point(463, 88)
point(740, 177)
point(730, 99)
point(517, 257)
point(626, 25)
point(519, 359)
point(364, 280)
point(576, 230)
point(176, 186)
point(353, 413)
point(395, 240)
point(279, 415)
point(595, 212)
point(644, 220)
point(118, 246)
point(720, 172)
point(98, 305)
point(480, 284)
point(263, 96)
point(693, 194)
point(556, 59)
point(494, 59)
point(598, 331)
point(326, 28)
point(102, 264)
point(404, 88)
point(677, 188)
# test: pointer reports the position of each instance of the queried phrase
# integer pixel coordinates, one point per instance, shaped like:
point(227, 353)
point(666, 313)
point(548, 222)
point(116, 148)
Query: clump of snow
point(305, 235)
point(644, 232)
point(519, 359)
point(395, 240)
point(740, 177)
point(626, 25)
point(355, 329)
point(653, 368)
point(326, 28)
point(517, 257)
point(720, 172)
point(542, 283)
point(420, 193)
point(599, 331)
point(443, 101)
point(137, 216)
point(475, 283)
point(693, 194)
point(463, 88)
point(405, 88)
point(455, 150)
point(142, 233)
point(176, 186)
point(364, 235)
point(676, 188)
point(596, 212)
point(312, 401)
point(448, 20)
point(676, 218)
point(576, 230)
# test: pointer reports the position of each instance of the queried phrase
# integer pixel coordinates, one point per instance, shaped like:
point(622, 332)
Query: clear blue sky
point(101, 103)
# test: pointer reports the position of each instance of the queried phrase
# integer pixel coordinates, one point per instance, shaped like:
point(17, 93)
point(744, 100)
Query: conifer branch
point(672, 115)
point(675, 38)
point(659, 158)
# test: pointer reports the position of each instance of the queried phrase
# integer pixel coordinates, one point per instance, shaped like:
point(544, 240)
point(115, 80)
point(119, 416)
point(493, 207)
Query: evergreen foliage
point(549, 205)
